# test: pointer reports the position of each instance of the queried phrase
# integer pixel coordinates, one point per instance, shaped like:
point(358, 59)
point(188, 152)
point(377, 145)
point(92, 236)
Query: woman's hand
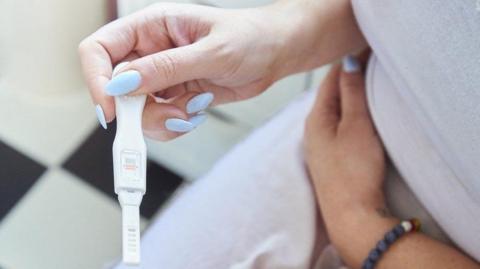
point(343, 151)
point(346, 162)
point(345, 157)
point(179, 51)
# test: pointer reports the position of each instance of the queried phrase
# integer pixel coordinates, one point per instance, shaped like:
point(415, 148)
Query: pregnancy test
point(129, 169)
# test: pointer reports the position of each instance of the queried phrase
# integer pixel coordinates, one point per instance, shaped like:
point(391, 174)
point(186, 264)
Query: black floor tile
point(93, 163)
point(17, 174)
point(161, 184)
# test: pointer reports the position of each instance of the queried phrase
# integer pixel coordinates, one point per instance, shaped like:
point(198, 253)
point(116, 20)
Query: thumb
point(162, 70)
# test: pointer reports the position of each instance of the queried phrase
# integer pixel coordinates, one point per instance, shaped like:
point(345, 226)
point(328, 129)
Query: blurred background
point(57, 205)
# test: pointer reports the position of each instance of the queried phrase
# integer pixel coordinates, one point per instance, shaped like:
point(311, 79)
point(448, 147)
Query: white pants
point(255, 209)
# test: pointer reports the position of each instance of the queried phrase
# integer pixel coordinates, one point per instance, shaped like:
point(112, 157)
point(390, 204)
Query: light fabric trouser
point(255, 209)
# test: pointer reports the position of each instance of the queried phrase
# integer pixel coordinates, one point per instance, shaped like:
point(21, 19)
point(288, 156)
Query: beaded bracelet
point(390, 237)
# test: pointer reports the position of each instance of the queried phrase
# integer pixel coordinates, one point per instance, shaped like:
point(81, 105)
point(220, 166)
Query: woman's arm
point(347, 165)
point(322, 31)
point(355, 230)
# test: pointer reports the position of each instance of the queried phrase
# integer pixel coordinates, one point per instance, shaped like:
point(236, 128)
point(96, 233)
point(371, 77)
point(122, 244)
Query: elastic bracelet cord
point(390, 237)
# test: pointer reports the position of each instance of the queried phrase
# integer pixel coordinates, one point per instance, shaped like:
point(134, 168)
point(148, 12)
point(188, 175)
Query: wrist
point(317, 32)
point(336, 192)
point(356, 230)
point(341, 212)
point(297, 23)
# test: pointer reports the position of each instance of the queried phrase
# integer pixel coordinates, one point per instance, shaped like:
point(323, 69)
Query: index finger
point(99, 52)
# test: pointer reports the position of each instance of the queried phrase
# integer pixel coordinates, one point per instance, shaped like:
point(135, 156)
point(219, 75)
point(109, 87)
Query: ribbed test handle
point(131, 234)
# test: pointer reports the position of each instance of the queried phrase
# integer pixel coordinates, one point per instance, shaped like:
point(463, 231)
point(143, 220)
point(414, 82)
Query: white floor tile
point(61, 223)
point(47, 128)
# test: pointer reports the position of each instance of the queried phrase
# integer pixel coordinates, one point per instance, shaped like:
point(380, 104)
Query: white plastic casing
point(129, 170)
point(129, 149)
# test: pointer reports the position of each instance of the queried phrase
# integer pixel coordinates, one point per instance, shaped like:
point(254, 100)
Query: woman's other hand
point(343, 151)
point(347, 166)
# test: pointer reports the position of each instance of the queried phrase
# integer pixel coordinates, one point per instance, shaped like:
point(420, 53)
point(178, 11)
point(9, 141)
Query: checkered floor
point(57, 205)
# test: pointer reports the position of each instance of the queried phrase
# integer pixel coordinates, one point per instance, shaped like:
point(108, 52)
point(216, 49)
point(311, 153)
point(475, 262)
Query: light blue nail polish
point(101, 116)
point(350, 64)
point(199, 102)
point(179, 125)
point(123, 83)
point(198, 119)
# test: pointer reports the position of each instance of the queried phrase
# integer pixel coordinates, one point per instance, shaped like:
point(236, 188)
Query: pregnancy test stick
point(129, 169)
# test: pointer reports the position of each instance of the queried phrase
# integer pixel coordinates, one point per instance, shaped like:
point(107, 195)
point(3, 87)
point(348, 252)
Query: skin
point(183, 50)
point(346, 163)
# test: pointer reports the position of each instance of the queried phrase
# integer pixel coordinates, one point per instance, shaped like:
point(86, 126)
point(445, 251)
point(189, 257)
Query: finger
point(326, 110)
point(192, 102)
point(165, 69)
point(165, 121)
point(97, 71)
point(130, 57)
point(180, 89)
point(154, 119)
point(98, 53)
point(113, 43)
point(172, 92)
point(352, 90)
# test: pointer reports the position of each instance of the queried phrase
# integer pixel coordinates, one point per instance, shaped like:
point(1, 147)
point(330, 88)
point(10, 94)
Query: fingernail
point(198, 119)
point(123, 83)
point(101, 116)
point(179, 125)
point(199, 102)
point(350, 64)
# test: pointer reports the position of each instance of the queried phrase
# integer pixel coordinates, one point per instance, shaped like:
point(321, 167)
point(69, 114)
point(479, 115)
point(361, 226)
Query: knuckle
point(165, 66)
point(227, 55)
point(220, 50)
